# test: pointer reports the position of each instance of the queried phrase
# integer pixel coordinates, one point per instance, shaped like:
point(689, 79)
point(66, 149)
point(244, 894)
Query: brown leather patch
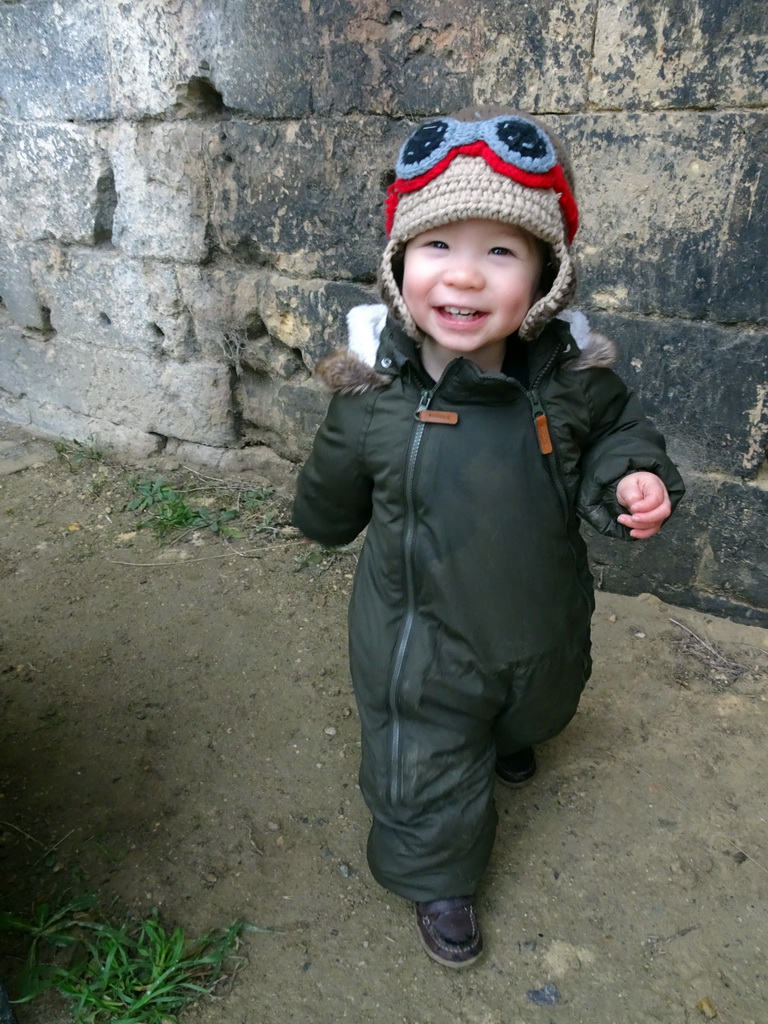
point(542, 429)
point(437, 416)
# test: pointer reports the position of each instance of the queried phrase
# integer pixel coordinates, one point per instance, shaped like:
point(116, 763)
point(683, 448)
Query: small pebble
point(330, 731)
point(547, 996)
point(705, 1007)
point(345, 870)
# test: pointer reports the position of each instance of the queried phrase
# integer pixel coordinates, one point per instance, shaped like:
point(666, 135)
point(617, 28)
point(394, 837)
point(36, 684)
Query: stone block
point(234, 308)
point(54, 183)
point(704, 387)
point(18, 291)
point(256, 465)
point(272, 330)
point(310, 316)
point(56, 422)
point(54, 61)
point(683, 53)
point(740, 287)
point(281, 414)
point(264, 56)
point(104, 299)
point(304, 198)
point(436, 57)
point(223, 303)
point(535, 56)
point(156, 49)
point(736, 565)
point(190, 401)
point(662, 199)
point(162, 206)
point(415, 59)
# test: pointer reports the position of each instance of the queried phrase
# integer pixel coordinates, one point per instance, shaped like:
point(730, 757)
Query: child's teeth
point(456, 311)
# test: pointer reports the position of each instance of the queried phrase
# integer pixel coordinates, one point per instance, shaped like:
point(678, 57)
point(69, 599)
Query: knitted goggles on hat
point(505, 168)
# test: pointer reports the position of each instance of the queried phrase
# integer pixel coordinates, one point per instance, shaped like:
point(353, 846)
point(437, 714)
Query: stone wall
point(190, 199)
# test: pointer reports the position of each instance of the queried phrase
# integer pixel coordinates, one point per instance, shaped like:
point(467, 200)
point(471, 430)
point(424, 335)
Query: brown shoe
point(449, 931)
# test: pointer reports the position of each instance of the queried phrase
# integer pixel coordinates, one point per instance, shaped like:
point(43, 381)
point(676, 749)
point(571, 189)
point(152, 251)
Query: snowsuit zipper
point(409, 536)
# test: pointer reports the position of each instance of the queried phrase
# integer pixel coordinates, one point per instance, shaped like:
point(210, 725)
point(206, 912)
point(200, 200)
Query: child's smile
point(468, 286)
point(454, 312)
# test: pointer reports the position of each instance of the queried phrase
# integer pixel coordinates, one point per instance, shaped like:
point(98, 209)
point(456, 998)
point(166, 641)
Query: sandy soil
point(177, 730)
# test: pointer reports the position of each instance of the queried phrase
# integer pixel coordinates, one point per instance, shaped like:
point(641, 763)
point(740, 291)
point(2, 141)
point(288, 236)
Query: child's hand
point(645, 495)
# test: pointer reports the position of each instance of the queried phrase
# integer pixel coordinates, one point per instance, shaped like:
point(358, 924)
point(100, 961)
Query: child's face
point(468, 286)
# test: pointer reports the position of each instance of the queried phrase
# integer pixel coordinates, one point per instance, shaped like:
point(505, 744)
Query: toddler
point(473, 423)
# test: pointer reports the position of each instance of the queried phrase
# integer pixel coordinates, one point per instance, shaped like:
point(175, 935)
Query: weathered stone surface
point(52, 183)
point(54, 61)
point(112, 302)
point(740, 287)
point(683, 53)
point(659, 196)
point(706, 387)
point(18, 291)
point(113, 389)
point(257, 464)
point(534, 55)
point(263, 56)
point(736, 566)
point(156, 47)
point(304, 197)
point(310, 316)
point(272, 330)
point(281, 414)
point(412, 59)
point(162, 205)
point(57, 422)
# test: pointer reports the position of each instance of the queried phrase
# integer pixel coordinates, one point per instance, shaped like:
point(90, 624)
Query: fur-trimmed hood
point(359, 367)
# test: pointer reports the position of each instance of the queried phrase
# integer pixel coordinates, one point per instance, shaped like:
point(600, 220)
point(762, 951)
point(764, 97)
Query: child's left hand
point(646, 497)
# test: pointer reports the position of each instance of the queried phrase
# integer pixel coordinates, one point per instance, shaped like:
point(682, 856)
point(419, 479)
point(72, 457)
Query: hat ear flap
point(390, 281)
point(556, 299)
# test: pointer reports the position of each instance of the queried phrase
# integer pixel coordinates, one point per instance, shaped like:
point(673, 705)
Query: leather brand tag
point(542, 429)
point(437, 416)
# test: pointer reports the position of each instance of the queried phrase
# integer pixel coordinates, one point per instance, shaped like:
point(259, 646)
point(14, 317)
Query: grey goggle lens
point(517, 141)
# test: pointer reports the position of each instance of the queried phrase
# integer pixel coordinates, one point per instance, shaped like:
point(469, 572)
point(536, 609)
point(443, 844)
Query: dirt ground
point(177, 730)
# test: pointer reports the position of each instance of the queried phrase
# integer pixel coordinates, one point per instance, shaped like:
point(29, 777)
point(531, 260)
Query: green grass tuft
point(136, 973)
point(75, 453)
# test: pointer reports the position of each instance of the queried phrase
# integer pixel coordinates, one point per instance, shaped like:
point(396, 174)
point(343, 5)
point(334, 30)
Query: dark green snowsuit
point(469, 620)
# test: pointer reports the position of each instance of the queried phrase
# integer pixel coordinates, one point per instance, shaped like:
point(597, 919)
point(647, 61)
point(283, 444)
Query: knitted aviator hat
point(490, 164)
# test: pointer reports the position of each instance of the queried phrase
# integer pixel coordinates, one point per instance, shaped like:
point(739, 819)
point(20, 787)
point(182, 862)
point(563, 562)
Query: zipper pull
point(540, 420)
point(426, 415)
point(426, 398)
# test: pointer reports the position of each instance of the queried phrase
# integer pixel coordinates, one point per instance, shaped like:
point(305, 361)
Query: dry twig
point(707, 652)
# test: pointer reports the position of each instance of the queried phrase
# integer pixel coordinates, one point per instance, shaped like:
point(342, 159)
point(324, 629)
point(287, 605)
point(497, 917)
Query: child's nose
point(463, 273)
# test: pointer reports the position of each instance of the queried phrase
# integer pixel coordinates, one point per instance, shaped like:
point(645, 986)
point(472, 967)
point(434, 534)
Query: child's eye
point(435, 243)
point(501, 250)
